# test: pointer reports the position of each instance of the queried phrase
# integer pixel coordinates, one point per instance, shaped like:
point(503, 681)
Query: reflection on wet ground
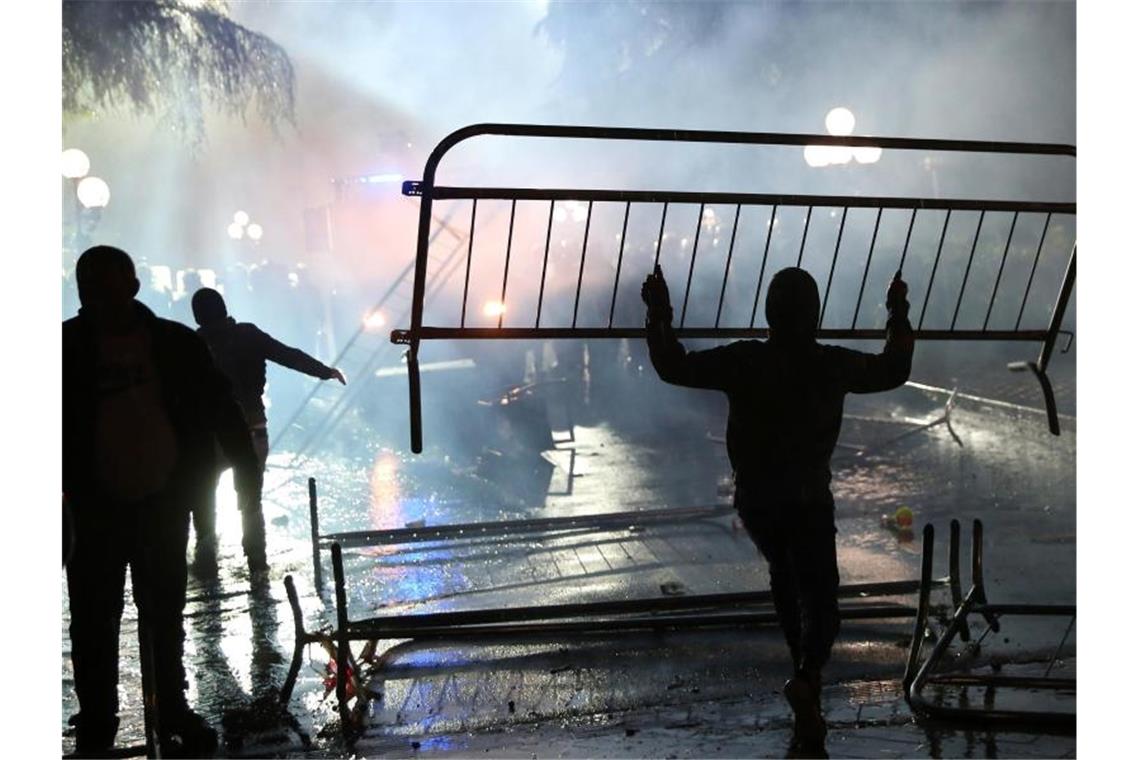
point(697, 693)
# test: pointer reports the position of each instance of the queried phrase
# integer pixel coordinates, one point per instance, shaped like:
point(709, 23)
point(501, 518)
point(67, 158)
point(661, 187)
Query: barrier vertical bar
point(545, 258)
point(969, 265)
point(467, 273)
point(1033, 270)
point(341, 641)
point(867, 268)
point(617, 275)
point(727, 265)
point(803, 240)
point(955, 570)
point(923, 606)
point(763, 264)
point(660, 235)
point(934, 269)
point(692, 262)
point(831, 272)
point(906, 244)
point(1001, 268)
point(582, 263)
point(286, 691)
point(315, 535)
point(1058, 312)
point(507, 264)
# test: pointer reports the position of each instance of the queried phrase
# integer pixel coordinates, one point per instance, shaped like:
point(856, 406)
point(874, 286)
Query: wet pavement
point(673, 694)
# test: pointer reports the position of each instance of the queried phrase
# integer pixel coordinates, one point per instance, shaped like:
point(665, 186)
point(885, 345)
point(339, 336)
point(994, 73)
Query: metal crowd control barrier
point(943, 209)
point(739, 609)
point(919, 676)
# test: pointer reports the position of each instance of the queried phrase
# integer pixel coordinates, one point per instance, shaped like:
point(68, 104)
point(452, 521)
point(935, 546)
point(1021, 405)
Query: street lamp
point(75, 163)
point(840, 122)
point(93, 192)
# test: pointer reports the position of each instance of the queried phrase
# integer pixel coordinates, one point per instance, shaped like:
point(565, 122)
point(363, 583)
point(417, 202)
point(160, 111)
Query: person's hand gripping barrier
point(897, 305)
point(655, 294)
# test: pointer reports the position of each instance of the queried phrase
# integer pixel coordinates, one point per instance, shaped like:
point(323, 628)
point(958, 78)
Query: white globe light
point(75, 163)
point(254, 231)
point(242, 218)
point(838, 154)
point(235, 231)
point(93, 192)
point(816, 155)
point(494, 308)
point(840, 121)
point(867, 155)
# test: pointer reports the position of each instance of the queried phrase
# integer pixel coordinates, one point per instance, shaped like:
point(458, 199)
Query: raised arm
point(870, 373)
point(715, 368)
point(296, 359)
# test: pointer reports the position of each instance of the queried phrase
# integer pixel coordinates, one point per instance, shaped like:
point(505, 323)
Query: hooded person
point(785, 399)
point(143, 404)
point(241, 349)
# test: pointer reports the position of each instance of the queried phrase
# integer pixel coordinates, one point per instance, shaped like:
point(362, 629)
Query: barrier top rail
point(989, 258)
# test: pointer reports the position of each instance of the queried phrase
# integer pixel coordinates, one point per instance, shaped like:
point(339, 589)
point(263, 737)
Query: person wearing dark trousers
point(143, 404)
point(785, 399)
point(241, 350)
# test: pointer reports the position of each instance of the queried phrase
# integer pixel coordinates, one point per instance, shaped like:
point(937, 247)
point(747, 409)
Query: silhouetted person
point(785, 408)
point(143, 403)
point(241, 350)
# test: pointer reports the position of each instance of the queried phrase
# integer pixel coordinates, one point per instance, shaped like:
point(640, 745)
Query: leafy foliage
point(170, 59)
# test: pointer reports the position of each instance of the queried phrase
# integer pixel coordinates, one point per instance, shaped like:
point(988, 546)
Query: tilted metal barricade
point(859, 327)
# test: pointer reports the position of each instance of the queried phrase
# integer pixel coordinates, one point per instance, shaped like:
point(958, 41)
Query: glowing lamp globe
point(235, 231)
point(867, 155)
point(840, 121)
point(75, 163)
point(817, 155)
point(254, 231)
point(242, 218)
point(93, 192)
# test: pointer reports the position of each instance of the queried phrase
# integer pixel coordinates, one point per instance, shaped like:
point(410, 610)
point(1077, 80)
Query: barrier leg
point(299, 639)
point(923, 605)
point(315, 536)
point(341, 644)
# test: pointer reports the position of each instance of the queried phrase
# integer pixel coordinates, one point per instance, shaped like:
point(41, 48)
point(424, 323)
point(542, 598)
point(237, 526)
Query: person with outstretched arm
point(143, 404)
point(785, 409)
point(241, 350)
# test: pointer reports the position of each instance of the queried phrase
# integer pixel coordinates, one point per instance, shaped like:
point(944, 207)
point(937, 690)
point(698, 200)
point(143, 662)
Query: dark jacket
point(195, 394)
point(241, 350)
point(785, 400)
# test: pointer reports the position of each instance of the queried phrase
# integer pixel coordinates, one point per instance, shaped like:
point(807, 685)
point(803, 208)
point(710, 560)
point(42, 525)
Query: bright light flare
point(374, 320)
point(93, 192)
point(494, 309)
point(75, 163)
point(840, 121)
point(242, 218)
point(867, 155)
point(817, 155)
point(254, 231)
point(235, 231)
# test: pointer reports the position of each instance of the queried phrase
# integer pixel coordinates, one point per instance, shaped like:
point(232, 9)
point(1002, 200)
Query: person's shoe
point(188, 735)
point(810, 732)
point(93, 737)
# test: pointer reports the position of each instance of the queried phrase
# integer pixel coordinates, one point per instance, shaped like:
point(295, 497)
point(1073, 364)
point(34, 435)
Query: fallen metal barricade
point(920, 676)
point(870, 326)
point(720, 610)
